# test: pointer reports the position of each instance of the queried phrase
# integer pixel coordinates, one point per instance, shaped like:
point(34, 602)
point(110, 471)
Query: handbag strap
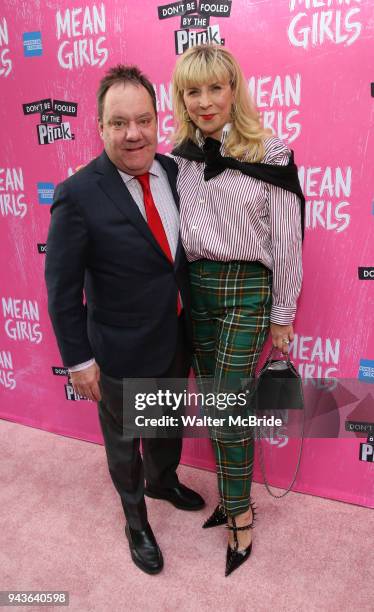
point(268, 360)
point(258, 438)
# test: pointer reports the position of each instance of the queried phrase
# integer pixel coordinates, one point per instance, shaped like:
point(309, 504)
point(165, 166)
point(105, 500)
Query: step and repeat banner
point(308, 64)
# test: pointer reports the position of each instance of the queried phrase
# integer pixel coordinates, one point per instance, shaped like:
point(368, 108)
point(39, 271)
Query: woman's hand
point(281, 335)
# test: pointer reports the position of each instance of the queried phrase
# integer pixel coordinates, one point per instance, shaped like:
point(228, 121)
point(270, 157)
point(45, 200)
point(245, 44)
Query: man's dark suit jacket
point(99, 240)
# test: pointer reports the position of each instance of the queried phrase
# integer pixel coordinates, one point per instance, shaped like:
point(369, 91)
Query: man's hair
point(123, 74)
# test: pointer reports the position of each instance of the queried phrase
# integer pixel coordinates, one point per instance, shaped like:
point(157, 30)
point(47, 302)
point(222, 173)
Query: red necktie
point(155, 223)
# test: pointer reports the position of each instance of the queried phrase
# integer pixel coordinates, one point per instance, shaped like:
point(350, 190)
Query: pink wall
point(308, 65)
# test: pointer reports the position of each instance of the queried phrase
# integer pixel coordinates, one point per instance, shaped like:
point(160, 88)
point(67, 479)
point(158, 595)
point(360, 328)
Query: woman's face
point(209, 106)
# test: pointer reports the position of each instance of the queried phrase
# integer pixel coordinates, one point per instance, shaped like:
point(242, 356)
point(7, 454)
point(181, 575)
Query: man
point(115, 233)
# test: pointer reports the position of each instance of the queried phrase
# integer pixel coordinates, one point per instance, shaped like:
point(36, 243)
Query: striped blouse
point(236, 217)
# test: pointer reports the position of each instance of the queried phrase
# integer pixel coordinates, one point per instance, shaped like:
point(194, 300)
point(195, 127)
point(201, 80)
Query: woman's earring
point(186, 117)
point(234, 110)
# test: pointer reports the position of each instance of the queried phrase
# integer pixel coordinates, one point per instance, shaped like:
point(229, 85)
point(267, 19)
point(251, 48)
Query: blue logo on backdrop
point(45, 193)
point(32, 44)
point(366, 370)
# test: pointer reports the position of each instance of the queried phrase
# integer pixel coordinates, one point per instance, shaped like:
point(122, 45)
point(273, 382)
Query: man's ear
point(100, 127)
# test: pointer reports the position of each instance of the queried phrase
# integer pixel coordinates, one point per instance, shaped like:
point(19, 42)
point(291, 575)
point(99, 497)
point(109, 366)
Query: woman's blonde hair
point(203, 64)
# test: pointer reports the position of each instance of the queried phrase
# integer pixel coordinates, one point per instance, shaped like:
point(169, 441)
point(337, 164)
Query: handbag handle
point(287, 360)
point(262, 463)
point(258, 435)
point(268, 358)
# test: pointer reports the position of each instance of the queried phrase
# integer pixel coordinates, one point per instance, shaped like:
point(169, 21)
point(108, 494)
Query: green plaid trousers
point(231, 304)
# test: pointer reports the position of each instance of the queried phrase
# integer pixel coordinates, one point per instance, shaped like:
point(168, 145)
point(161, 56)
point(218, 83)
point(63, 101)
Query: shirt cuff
point(82, 366)
point(282, 315)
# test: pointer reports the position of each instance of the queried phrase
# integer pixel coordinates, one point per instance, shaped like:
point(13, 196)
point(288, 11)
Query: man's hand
point(86, 382)
point(281, 335)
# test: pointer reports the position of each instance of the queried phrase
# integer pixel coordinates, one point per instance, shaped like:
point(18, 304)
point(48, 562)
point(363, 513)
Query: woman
point(241, 227)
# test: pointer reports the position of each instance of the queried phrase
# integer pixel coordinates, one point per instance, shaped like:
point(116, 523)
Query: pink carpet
point(62, 528)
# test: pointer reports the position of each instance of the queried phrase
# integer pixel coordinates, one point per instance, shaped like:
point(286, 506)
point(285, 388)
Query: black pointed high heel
point(219, 517)
point(235, 557)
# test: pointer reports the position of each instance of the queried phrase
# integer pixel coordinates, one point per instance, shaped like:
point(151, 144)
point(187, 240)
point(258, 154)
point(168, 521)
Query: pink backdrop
point(308, 66)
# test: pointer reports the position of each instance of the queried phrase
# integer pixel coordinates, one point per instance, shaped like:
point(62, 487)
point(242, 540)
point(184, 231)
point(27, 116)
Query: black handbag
point(278, 386)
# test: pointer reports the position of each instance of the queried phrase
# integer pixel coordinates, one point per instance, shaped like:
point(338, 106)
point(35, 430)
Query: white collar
point(154, 169)
point(225, 131)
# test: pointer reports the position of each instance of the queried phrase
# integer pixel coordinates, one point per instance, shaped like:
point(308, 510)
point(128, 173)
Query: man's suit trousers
point(161, 455)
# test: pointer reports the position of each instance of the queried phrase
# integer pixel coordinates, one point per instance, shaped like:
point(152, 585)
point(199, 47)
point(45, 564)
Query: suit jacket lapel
point(113, 186)
point(171, 169)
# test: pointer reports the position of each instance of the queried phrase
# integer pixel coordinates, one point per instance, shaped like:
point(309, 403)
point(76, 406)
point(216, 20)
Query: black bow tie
point(214, 162)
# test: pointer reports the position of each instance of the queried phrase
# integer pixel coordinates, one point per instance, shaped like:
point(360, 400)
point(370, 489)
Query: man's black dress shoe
point(144, 549)
point(180, 496)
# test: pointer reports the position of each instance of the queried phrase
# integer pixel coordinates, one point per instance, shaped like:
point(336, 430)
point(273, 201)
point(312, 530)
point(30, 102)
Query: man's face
point(129, 128)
